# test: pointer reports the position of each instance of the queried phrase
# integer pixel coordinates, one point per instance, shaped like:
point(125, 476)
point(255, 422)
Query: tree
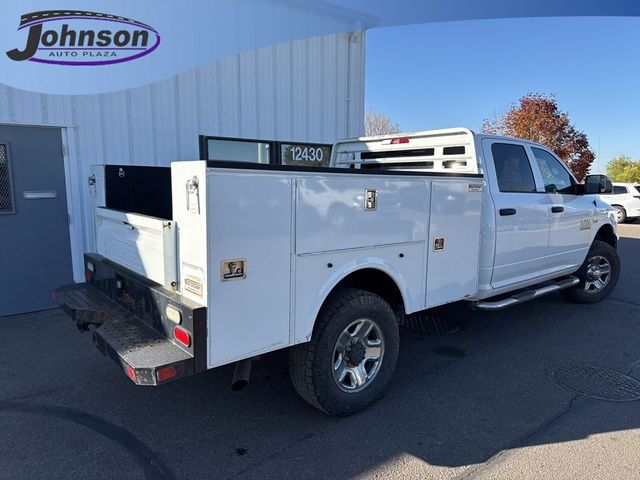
point(377, 123)
point(623, 169)
point(538, 118)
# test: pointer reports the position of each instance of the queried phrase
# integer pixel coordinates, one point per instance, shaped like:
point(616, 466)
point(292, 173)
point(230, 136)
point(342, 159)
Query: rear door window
point(619, 190)
point(513, 168)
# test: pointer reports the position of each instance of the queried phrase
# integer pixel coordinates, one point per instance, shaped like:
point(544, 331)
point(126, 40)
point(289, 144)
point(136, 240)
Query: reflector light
point(181, 335)
point(131, 373)
point(396, 141)
point(173, 314)
point(88, 276)
point(166, 373)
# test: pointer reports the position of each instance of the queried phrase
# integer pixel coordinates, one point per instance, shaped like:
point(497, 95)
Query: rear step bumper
point(526, 295)
point(147, 356)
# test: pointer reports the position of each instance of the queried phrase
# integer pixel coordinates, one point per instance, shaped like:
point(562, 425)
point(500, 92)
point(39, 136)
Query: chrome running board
point(526, 295)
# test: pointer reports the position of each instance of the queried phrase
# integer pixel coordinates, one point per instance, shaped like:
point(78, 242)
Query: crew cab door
point(571, 214)
point(521, 210)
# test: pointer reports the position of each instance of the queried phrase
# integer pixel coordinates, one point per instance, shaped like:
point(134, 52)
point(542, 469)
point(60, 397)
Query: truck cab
point(543, 222)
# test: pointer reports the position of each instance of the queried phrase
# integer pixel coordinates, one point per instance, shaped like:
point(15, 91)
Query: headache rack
point(438, 151)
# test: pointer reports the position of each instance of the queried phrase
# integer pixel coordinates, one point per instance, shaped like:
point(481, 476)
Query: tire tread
point(576, 294)
point(301, 357)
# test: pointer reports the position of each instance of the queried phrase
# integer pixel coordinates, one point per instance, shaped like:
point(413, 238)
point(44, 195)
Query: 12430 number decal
point(309, 154)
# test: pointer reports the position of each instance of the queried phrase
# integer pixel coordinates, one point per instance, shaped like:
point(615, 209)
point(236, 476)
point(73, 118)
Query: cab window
point(618, 190)
point(512, 168)
point(556, 178)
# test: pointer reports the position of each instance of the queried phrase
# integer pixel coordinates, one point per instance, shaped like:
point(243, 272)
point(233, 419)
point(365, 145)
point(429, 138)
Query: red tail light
point(131, 373)
point(88, 271)
point(396, 141)
point(166, 373)
point(181, 335)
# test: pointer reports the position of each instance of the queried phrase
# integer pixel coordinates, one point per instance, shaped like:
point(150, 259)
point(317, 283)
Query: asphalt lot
point(477, 404)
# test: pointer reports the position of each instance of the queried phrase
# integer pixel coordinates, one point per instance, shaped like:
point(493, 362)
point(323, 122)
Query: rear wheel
point(598, 274)
point(351, 356)
point(621, 214)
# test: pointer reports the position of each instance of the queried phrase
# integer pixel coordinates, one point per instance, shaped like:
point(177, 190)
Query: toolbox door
point(249, 244)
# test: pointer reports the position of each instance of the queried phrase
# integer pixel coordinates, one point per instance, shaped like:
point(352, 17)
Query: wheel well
point(378, 282)
point(605, 234)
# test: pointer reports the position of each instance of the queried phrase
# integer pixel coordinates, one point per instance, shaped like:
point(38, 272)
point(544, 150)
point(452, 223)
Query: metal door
point(35, 253)
point(521, 213)
point(570, 224)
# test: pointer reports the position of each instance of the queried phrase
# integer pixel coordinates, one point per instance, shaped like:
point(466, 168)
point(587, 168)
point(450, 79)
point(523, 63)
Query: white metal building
point(309, 90)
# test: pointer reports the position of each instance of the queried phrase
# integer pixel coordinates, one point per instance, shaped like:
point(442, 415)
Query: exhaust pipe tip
point(241, 375)
point(239, 385)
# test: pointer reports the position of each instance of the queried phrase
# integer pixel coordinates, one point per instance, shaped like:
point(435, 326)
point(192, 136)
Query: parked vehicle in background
point(625, 198)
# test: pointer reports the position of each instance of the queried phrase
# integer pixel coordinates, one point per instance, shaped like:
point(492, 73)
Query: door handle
point(504, 212)
point(557, 209)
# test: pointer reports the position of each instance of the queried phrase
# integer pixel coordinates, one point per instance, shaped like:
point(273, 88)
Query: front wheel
point(598, 274)
point(351, 356)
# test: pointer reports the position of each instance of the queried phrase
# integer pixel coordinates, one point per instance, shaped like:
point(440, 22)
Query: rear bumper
point(142, 344)
point(147, 357)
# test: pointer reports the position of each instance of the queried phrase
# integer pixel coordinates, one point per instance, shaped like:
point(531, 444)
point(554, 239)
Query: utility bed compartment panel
point(249, 313)
point(453, 250)
point(331, 215)
point(143, 244)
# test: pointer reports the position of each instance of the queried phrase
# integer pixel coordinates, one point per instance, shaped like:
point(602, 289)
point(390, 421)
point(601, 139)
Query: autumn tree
point(623, 169)
point(377, 123)
point(538, 118)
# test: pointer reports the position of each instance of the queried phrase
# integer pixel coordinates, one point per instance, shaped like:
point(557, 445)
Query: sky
point(456, 74)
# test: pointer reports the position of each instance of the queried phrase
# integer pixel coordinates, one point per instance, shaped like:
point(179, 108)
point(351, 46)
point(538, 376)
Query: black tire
point(579, 294)
point(311, 364)
point(622, 212)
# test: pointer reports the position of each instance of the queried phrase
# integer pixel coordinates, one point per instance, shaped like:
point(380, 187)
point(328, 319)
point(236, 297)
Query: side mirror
point(597, 184)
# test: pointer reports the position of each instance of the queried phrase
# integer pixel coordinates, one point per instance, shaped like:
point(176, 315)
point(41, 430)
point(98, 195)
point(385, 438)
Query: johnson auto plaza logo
point(78, 38)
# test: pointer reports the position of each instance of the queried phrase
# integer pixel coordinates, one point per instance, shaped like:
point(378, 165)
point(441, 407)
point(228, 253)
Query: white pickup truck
point(212, 263)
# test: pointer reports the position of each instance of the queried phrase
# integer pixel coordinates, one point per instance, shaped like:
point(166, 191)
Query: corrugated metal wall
point(308, 90)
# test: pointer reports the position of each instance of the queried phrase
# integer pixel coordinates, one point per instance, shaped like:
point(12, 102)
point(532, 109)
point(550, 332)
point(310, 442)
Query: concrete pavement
point(477, 404)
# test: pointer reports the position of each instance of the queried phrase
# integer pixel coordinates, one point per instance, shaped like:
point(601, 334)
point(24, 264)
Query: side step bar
point(526, 295)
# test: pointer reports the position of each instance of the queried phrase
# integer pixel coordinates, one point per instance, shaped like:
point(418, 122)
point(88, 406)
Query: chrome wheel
point(357, 355)
point(598, 274)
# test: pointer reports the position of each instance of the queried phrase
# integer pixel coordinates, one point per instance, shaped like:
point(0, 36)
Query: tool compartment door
point(249, 244)
point(334, 213)
point(454, 239)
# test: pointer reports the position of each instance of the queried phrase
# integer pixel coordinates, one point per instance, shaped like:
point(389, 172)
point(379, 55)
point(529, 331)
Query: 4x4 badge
point(585, 224)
